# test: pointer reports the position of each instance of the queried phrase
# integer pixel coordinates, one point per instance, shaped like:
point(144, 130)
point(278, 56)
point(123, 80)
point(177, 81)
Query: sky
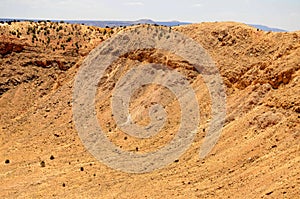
point(284, 14)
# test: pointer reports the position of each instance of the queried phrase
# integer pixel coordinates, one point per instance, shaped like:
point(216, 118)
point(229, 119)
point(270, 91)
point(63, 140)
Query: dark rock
point(43, 164)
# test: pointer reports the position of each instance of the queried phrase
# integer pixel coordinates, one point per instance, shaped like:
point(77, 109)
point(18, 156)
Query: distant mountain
point(266, 28)
point(110, 23)
point(144, 21)
point(129, 23)
point(140, 21)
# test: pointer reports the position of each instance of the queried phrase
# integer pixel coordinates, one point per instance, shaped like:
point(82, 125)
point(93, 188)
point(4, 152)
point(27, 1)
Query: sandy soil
point(257, 155)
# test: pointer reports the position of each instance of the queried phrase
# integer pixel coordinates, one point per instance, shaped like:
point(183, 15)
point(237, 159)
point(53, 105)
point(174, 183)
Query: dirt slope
point(257, 155)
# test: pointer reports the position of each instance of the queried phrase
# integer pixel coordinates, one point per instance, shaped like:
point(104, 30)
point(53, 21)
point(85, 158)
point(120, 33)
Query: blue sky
point(283, 14)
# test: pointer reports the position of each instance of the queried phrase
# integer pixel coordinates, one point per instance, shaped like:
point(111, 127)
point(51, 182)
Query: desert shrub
point(77, 46)
point(59, 28)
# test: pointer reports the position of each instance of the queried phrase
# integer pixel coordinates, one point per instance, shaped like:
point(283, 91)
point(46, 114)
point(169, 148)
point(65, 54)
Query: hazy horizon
point(273, 13)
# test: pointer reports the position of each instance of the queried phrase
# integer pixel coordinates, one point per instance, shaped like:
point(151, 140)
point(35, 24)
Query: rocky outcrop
point(9, 47)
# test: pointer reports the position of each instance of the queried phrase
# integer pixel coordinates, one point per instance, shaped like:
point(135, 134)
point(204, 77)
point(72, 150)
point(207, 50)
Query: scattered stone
point(81, 169)
point(176, 160)
point(267, 119)
point(274, 146)
point(269, 193)
point(43, 164)
point(63, 184)
point(7, 161)
point(137, 148)
point(51, 157)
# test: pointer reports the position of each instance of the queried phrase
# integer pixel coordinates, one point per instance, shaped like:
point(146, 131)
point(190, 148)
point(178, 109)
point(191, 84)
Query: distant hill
point(109, 23)
point(140, 21)
point(266, 28)
point(128, 23)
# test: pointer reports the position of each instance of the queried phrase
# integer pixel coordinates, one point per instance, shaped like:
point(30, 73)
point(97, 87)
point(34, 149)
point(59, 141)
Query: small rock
point(7, 161)
point(269, 193)
point(43, 164)
point(274, 146)
point(51, 157)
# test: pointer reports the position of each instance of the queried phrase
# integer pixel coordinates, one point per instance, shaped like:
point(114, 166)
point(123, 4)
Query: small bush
point(77, 46)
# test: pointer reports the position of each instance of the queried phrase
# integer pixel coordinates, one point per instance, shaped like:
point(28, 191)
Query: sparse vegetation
point(48, 36)
point(77, 46)
point(62, 46)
